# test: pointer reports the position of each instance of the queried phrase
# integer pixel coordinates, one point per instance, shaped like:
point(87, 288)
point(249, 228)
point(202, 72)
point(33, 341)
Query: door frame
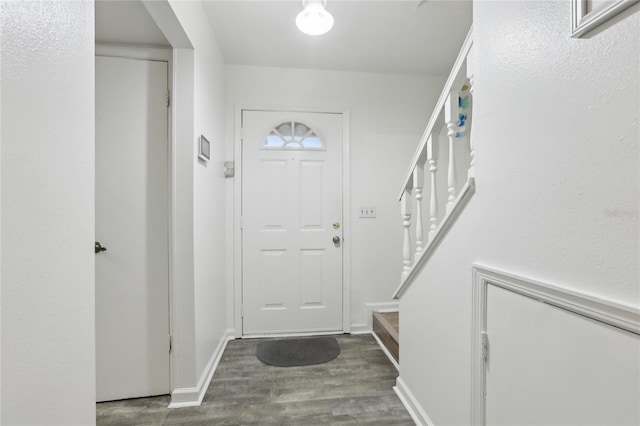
point(346, 211)
point(159, 54)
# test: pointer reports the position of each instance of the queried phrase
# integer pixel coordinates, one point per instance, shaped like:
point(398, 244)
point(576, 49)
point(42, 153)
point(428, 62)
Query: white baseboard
point(360, 329)
point(386, 352)
point(411, 404)
point(192, 397)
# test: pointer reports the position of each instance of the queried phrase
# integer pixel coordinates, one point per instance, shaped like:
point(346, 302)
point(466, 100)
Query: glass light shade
point(314, 19)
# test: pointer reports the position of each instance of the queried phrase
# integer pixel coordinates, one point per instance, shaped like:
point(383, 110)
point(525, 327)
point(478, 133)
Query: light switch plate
point(367, 211)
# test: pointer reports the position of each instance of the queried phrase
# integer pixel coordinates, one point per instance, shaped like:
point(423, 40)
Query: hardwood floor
point(355, 388)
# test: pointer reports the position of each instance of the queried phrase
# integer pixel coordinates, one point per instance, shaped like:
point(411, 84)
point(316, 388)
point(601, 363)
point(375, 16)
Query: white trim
point(626, 317)
point(181, 86)
point(453, 76)
point(192, 397)
point(411, 404)
point(360, 329)
point(237, 223)
point(134, 52)
point(446, 223)
point(610, 312)
point(346, 212)
point(346, 221)
point(287, 334)
point(386, 351)
point(583, 22)
point(392, 306)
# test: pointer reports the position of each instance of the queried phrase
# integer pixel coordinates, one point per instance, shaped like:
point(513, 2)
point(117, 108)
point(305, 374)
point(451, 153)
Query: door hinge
point(170, 343)
point(241, 311)
point(241, 222)
point(485, 345)
point(168, 98)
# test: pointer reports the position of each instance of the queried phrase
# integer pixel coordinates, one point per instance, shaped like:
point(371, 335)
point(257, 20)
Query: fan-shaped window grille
point(293, 135)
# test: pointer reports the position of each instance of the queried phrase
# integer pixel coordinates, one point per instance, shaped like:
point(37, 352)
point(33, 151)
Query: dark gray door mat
point(298, 352)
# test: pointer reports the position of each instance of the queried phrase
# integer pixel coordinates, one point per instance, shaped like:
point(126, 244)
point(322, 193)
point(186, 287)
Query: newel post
point(405, 209)
point(451, 116)
point(432, 160)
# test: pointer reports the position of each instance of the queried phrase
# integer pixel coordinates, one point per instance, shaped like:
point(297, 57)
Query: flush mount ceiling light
point(314, 19)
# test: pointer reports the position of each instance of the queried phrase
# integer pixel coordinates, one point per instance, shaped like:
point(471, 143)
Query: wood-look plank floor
point(355, 388)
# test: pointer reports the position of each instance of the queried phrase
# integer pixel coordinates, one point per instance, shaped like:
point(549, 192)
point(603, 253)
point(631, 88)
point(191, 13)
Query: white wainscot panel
point(548, 366)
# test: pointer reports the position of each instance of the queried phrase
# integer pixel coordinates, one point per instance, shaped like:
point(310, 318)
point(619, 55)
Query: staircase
point(386, 326)
point(441, 171)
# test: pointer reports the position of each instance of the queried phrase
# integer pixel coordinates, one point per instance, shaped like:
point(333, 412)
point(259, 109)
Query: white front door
point(291, 222)
point(132, 302)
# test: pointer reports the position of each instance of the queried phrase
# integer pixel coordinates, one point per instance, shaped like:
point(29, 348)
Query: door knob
point(336, 240)
point(99, 247)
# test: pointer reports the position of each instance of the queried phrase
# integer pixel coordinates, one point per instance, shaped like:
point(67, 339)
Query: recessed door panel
point(272, 278)
point(311, 199)
point(273, 181)
point(311, 278)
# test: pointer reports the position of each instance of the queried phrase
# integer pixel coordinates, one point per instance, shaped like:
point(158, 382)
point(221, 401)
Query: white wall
point(209, 253)
point(557, 148)
point(388, 115)
point(48, 356)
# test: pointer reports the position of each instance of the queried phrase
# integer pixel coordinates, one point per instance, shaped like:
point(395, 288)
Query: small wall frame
point(589, 14)
point(204, 149)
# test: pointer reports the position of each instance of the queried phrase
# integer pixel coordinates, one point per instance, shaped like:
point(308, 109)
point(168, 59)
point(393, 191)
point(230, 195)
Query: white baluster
point(418, 184)
point(470, 70)
point(451, 118)
point(405, 208)
point(432, 160)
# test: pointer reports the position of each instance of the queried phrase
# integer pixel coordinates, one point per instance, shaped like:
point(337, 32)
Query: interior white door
point(132, 290)
point(549, 366)
point(292, 222)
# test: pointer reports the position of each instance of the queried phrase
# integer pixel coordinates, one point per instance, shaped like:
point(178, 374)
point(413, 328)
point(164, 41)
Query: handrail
point(453, 114)
point(463, 198)
point(431, 124)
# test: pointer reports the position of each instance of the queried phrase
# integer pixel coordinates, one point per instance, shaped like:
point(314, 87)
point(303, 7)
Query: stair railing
point(449, 126)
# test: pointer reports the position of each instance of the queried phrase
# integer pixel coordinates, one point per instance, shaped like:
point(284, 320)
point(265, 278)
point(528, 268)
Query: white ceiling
point(387, 36)
point(392, 36)
point(126, 22)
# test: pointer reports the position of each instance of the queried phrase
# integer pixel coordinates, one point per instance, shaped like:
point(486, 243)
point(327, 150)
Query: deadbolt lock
point(336, 225)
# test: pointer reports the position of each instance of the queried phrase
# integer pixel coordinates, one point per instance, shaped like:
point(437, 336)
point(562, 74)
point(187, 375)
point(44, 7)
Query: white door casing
point(132, 214)
point(292, 271)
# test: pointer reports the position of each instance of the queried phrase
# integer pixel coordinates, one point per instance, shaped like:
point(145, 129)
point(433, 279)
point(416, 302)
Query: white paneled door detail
point(291, 222)
point(132, 287)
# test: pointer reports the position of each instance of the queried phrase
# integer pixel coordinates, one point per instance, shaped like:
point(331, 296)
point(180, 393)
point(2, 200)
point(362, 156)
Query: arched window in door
point(293, 135)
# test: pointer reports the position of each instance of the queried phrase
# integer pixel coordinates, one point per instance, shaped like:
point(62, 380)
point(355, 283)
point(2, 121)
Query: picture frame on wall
point(204, 149)
point(589, 14)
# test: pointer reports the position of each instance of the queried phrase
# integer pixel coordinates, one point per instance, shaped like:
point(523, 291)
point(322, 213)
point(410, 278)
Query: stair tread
point(389, 321)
